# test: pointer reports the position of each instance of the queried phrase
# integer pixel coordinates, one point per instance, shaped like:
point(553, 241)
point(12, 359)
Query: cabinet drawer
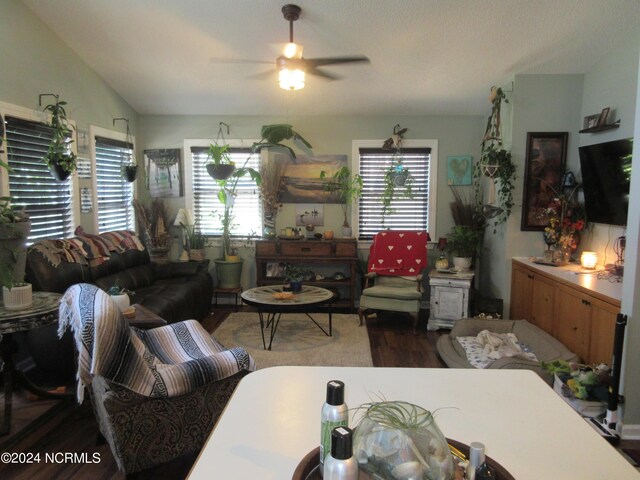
point(266, 248)
point(305, 249)
point(346, 249)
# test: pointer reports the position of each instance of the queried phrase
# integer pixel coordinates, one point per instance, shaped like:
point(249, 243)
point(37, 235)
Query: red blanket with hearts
point(398, 252)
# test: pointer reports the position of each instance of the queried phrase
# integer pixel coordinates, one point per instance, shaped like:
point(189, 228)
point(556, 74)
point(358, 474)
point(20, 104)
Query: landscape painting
point(301, 181)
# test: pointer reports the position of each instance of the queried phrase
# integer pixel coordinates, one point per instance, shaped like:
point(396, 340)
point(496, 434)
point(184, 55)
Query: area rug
point(299, 341)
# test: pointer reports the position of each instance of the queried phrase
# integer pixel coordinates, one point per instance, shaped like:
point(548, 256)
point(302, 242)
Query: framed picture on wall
point(544, 167)
point(459, 170)
point(164, 172)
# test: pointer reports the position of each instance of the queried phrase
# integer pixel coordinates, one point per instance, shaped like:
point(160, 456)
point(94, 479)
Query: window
point(48, 202)
point(417, 213)
point(202, 199)
point(114, 195)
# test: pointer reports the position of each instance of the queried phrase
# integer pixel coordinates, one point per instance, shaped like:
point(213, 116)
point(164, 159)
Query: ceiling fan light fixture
point(293, 50)
point(291, 79)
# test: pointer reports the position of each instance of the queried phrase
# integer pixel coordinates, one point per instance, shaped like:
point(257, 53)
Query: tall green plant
point(348, 187)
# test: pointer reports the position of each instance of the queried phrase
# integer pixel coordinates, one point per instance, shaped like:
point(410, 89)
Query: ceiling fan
point(291, 66)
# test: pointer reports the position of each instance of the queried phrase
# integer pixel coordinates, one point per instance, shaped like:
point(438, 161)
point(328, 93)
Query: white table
point(449, 299)
point(273, 421)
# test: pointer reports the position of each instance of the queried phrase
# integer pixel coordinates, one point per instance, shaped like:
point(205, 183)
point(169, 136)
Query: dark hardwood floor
point(73, 428)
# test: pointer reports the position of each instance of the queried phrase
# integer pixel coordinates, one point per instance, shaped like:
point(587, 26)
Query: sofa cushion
point(406, 293)
point(132, 278)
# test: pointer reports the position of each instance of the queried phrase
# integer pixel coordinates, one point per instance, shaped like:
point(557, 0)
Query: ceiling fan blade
point(319, 62)
point(237, 60)
point(261, 75)
point(323, 74)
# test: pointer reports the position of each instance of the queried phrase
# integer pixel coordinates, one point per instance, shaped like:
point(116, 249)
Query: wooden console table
point(339, 252)
point(576, 308)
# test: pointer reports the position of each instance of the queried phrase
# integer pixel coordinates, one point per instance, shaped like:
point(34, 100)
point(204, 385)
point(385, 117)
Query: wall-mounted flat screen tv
point(606, 176)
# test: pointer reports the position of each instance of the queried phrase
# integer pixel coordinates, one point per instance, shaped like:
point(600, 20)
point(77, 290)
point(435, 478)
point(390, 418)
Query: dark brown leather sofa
point(173, 291)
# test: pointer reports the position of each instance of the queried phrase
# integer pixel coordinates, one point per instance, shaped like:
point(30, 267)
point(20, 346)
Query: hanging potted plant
point(220, 167)
point(130, 169)
point(496, 164)
point(398, 181)
point(60, 159)
point(348, 188)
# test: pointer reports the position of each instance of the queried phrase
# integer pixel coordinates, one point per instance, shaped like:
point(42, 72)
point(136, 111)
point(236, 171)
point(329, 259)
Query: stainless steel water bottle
point(334, 414)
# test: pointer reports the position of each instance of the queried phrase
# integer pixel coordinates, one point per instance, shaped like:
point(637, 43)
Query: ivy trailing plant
point(495, 163)
point(398, 181)
point(59, 153)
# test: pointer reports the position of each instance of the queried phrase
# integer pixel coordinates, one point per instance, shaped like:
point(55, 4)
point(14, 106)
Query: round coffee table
point(264, 300)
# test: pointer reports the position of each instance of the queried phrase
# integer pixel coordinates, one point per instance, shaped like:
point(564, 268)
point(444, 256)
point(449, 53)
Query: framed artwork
point(591, 121)
point(604, 114)
point(309, 214)
point(163, 167)
point(459, 170)
point(544, 167)
point(301, 181)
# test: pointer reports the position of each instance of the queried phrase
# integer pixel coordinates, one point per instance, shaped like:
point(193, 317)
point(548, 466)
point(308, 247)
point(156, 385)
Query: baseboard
point(630, 432)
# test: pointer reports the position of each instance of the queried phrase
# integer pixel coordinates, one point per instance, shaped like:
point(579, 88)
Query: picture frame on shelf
point(591, 121)
point(545, 161)
point(604, 114)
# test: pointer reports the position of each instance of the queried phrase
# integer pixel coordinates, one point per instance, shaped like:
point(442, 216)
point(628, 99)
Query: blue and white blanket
point(163, 362)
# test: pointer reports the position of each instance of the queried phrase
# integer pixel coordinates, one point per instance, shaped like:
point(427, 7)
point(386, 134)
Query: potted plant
point(14, 230)
point(348, 187)
point(462, 244)
point(396, 176)
point(220, 167)
point(294, 274)
point(495, 163)
point(229, 267)
point(197, 244)
point(60, 159)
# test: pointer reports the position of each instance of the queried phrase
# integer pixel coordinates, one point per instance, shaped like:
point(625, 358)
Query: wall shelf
point(601, 128)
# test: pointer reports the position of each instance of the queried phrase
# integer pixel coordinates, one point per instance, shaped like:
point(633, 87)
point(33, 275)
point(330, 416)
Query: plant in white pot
point(462, 243)
point(348, 187)
point(14, 230)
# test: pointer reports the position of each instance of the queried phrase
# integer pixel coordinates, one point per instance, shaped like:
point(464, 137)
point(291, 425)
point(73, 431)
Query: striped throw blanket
point(163, 362)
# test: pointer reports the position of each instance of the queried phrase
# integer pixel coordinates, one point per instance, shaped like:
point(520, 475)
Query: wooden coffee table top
point(145, 318)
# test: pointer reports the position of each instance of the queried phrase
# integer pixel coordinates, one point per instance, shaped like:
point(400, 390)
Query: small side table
point(449, 297)
point(145, 319)
point(228, 291)
point(43, 311)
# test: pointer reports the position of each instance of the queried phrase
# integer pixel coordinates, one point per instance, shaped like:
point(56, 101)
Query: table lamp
point(184, 219)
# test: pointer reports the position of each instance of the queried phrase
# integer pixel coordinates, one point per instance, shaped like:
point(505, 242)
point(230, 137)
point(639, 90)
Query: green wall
point(33, 60)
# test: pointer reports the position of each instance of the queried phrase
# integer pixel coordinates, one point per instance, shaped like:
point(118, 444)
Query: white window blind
point(47, 201)
point(247, 210)
point(114, 193)
point(408, 213)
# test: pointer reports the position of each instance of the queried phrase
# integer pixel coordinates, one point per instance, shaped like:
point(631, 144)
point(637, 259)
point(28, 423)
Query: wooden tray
point(308, 468)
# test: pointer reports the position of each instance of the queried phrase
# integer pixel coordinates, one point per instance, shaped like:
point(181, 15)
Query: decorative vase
point(130, 172)
point(401, 440)
point(328, 234)
point(295, 286)
point(220, 172)
point(18, 297)
point(562, 255)
point(122, 301)
point(347, 232)
point(461, 263)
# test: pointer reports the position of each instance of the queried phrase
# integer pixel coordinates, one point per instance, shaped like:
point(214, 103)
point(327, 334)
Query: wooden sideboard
point(341, 253)
point(579, 310)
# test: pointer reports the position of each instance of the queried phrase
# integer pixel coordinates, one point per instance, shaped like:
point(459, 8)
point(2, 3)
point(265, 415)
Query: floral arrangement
point(566, 217)
point(584, 381)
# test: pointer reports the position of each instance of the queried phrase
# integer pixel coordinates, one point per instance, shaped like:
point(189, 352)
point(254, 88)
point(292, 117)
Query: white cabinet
point(449, 298)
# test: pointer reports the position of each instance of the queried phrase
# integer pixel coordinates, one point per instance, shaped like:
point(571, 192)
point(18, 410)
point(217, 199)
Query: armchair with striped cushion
point(156, 393)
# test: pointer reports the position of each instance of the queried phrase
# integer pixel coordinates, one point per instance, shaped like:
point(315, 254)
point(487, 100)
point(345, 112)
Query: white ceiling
point(427, 56)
